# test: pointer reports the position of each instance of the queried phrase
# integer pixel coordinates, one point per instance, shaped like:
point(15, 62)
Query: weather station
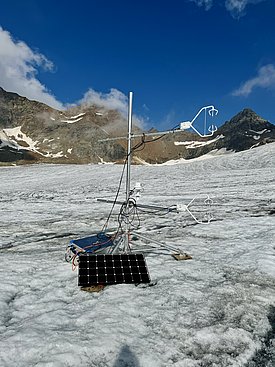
point(115, 256)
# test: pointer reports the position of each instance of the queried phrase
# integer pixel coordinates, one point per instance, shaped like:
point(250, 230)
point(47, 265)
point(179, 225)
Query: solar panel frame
point(107, 269)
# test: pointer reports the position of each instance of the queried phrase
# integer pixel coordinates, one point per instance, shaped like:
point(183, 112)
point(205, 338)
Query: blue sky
point(176, 56)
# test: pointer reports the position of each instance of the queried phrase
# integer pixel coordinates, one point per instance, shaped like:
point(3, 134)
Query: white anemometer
point(212, 111)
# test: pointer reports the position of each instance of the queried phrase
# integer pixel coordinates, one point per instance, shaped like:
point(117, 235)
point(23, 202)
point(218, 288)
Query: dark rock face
point(247, 130)
point(56, 136)
point(31, 131)
point(244, 131)
point(14, 155)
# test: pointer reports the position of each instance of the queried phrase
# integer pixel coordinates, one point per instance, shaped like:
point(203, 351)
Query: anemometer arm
point(185, 125)
point(178, 208)
point(186, 208)
point(212, 111)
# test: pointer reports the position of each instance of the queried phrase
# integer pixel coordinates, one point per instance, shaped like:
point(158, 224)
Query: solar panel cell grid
point(112, 269)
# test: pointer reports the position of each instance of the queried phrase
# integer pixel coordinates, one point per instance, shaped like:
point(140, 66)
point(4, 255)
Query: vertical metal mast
point(128, 174)
point(129, 138)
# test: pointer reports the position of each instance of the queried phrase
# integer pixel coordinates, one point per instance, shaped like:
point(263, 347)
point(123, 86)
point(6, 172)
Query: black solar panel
point(112, 269)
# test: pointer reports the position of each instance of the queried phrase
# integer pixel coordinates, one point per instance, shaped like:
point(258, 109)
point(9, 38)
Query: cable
point(138, 147)
point(74, 265)
point(117, 193)
point(152, 140)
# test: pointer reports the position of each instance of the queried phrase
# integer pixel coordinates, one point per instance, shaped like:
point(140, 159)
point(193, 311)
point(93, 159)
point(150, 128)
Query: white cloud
point(114, 100)
point(19, 67)
point(235, 7)
point(206, 3)
point(264, 79)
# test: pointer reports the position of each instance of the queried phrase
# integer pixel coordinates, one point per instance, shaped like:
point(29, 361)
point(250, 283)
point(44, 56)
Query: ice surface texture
point(214, 310)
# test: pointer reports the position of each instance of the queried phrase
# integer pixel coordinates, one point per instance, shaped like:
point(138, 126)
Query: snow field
point(214, 310)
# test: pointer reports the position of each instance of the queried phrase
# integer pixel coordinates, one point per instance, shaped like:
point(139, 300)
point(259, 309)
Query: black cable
point(152, 140)
point(140, 144)
point(138, 147)
point(117, 193)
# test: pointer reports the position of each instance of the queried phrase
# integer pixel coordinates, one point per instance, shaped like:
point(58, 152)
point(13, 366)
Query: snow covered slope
point(217, 309)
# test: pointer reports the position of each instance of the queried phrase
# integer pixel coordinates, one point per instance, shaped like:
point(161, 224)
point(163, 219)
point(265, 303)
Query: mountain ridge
point(31, 131)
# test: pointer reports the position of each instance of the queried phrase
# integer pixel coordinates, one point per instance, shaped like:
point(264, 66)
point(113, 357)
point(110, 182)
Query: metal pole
point(128, 173)
point(129, 138)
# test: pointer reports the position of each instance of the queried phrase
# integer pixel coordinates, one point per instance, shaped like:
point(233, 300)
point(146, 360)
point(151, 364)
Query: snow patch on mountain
point(17, 136)
point(259, 132)
point(77, 116)
point(72, 119)
point(6, 142)
point(196, 144)
point(256, 135)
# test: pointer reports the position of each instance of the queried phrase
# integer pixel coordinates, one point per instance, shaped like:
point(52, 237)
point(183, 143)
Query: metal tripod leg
point(160, 244)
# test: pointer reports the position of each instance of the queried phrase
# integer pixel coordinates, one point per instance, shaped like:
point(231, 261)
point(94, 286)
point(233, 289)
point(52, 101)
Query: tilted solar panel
point(112, 269)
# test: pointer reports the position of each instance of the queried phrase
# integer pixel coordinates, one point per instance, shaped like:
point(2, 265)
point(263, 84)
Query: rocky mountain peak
point(247, 116)
point(246, 130)
point(30, 130)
